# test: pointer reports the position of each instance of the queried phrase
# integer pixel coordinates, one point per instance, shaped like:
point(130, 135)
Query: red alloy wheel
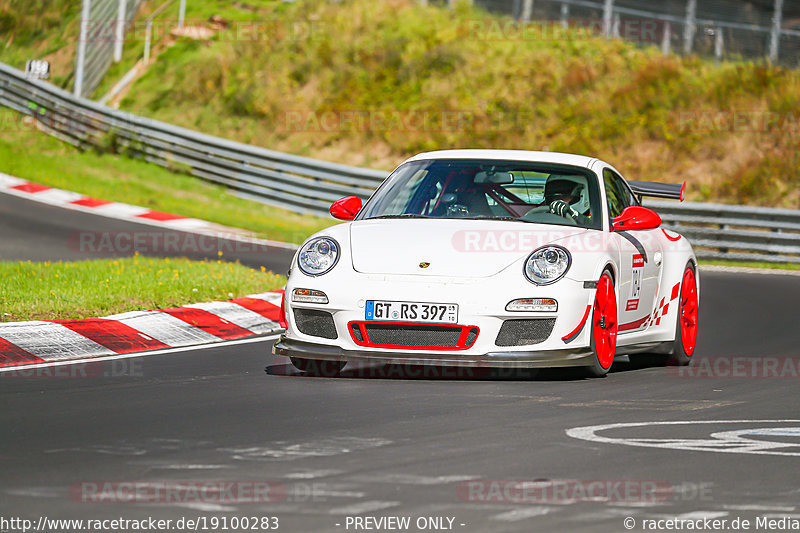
point(688, 312)
point(604, 321)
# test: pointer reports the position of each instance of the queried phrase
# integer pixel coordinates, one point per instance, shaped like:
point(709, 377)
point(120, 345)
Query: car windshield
point(489, 189)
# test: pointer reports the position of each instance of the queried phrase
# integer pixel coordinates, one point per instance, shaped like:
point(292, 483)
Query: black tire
point(596, 370)
point(318, 367)
point(679, 355)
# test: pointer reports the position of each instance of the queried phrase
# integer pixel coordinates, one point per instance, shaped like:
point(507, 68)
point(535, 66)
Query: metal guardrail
point(308, 185)
point(293, 182)
point(736, 233)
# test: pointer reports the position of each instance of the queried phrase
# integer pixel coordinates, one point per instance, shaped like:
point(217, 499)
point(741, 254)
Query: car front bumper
point(500, 359)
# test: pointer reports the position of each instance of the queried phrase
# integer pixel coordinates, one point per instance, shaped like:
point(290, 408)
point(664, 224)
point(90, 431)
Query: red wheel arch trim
point(673, 239)
point(282, 322)
point(569, 337)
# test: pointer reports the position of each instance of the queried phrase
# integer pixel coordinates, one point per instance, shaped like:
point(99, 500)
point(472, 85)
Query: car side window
point(618, 195)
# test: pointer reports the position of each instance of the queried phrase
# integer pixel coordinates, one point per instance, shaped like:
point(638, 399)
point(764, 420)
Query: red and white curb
point(131, 213)
point(39, 342)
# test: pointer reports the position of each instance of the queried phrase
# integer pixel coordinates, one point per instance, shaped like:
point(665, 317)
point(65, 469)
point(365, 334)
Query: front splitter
point(527, 359)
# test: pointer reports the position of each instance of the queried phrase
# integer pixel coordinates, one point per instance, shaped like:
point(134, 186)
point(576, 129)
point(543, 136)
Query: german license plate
point(411, 312)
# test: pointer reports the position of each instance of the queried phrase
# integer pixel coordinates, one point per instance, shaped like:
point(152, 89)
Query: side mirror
point(346, 208)
point(636, 218)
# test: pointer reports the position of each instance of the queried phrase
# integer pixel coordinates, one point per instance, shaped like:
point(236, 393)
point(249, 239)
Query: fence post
point(182, 13)
point(608, 12)
point(81, 58)
point(718, 44)
point(666, 39)
point(615, 28)
point(148, 35)
point(690, 26)
point(527, 10)
point(564, 14)
point(120, 31)
point(775, 34)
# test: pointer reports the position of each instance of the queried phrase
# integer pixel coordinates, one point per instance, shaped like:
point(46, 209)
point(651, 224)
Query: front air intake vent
point(315, 323)
point(524, 332)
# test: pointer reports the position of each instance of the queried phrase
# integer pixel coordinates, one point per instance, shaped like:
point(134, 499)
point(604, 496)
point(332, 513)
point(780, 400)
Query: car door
point(640, 259)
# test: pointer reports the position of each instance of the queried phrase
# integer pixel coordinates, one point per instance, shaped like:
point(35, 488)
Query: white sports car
point(494, 258)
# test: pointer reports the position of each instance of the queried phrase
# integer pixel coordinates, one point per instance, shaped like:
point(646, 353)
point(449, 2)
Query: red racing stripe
point(262, 307)
point(632, 325)
point(158, 215)
point(670, 238)
point(31, 187)
point(88, 201)
point(675, 291)
point(112, 334)
point(12, 355)
point(209, 322)
point(569, 337)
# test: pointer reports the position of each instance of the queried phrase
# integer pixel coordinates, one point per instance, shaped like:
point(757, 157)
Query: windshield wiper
point(404, 215)
point(513, 219)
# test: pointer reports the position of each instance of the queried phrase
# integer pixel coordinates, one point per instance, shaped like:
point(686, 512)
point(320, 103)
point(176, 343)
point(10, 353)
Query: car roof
point(509, 155)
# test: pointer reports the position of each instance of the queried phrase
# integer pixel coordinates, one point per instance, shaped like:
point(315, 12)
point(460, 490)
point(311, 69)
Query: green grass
point(27, 153)
point(59, 290)
point(197, 14)
point(40, 29)
point(751, 264)
point(657, 118)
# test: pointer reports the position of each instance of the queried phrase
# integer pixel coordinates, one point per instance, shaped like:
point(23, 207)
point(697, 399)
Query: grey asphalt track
point(35, 231)
point(379, 443)
point(390, 441)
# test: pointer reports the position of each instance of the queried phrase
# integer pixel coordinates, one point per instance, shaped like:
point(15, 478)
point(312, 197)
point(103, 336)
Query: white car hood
point(454, 248)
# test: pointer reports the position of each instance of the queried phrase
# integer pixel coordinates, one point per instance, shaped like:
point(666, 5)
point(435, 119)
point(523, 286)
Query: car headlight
point(548, 264)
point(318, 256)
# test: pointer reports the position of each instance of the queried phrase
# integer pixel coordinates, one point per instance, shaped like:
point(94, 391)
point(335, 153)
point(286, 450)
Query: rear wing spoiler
point(672, 191)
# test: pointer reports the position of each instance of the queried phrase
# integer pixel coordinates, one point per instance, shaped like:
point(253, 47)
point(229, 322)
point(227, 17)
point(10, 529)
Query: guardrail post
point(564, 15)
point(120, 31)
point(775, 34)
point(690, 26)
point(81, 56)
point(608, 13)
